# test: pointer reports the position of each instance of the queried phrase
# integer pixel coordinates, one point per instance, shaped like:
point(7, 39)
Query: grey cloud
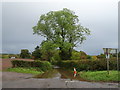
point(19, 18)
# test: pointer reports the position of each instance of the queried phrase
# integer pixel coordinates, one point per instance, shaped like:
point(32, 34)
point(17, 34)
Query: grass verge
point(100, 76)
point(25, 70)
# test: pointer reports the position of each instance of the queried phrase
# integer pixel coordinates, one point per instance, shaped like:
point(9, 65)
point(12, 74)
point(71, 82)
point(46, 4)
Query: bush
point(79, 55)
point(89, 57)
point(94, 57)
point(25, 53)
point(86, 65)
point(101, 56)
point(42, 65)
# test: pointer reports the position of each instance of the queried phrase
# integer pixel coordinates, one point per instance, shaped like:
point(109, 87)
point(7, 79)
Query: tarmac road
point(20, 80)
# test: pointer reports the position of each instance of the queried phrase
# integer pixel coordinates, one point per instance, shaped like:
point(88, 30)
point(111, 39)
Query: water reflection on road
point(59, 73)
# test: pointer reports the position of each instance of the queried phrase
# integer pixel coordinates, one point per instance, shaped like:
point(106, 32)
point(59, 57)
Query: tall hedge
point(85, 65)
point(43, 65)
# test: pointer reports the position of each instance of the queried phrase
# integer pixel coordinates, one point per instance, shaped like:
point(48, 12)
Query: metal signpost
point(107, 52)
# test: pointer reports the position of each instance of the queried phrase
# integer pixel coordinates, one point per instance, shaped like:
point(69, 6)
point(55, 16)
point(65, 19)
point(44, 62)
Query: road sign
point(107, 52)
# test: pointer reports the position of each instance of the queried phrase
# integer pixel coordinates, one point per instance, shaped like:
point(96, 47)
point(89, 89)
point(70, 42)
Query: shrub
point(89, 57)
point(75, 55)
point(94, 57)
point(25, 53)
point(83, 55)
point(101, 56)
point(79, 55)
point(86, 65)
point(42, 65)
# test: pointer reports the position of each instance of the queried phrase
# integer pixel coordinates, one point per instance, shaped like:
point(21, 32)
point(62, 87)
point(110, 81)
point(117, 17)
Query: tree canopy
point(63, 29)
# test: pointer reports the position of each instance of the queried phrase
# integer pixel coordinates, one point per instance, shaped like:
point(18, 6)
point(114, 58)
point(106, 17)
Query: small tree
point(25, 53)
point(37, 53)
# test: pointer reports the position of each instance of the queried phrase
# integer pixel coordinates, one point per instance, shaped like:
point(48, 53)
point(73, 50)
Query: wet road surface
point(56, 78)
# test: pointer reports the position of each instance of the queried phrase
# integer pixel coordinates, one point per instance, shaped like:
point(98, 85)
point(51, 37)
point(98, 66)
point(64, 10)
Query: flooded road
point(60, 74)
point(56, 78)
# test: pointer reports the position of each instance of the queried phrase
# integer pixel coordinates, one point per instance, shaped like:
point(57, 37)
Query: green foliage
point(114, 55)
point(5, 56)
point(78, 55)
point(89, 57)
point(25, 53)
point(14, 55)
point(75, 55)
point(62, 28)
point(119, 54)
point(48, 49)
point(94, 57)
point(37, 53)
point(83, 55)
point(86, 65)
point(100, 76)
point(55, 57)
point(101, 56)
point(0, 55)
point(25, 70)
point(42, 65)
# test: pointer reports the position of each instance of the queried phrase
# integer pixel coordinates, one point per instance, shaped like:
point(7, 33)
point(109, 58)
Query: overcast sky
point(100, 16)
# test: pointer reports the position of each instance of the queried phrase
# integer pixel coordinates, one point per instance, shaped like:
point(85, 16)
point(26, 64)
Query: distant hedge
point(85, 65)
point(43, 65)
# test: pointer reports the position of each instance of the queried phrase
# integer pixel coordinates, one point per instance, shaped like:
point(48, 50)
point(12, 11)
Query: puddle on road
point(59, 73)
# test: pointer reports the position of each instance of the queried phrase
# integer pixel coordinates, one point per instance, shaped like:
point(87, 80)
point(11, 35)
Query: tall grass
point(25, 70)
point(100, 75)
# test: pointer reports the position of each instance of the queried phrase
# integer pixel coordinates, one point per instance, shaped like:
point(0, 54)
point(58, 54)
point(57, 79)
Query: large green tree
point(63, 28)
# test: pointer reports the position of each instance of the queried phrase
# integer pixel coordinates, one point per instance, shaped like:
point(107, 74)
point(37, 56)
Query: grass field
point(100, 76)
point(25, 70)
point(4, 56)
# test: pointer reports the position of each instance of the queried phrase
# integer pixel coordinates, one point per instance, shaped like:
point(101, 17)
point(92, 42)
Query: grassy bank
point(100, 76)
point(25, 70)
